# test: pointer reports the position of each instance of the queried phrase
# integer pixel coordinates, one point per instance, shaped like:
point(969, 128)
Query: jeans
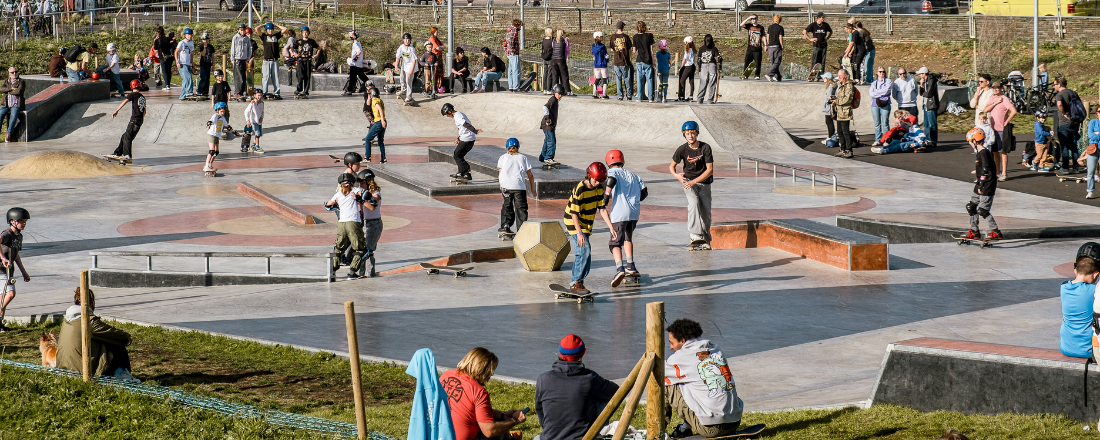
point(1090, 162)
point(549, 145)
point(622, 81)
point(116, 79)
point(514, 68)
point(699, 201)
point(881, 116)
point(186, 85)
point(708, 84)
point(483, 78)
point(662, 84)
point(126, 143)
point(514, 209)
point(204, 80)
point(376, 131)
point(897, 146)
point(868, 66)
point(645, 79)
point(582, 256)
point(13, 118)
point(73, 75)
point(931, 129)
point(1067, 138)
point(775, 54)
point(270, 75)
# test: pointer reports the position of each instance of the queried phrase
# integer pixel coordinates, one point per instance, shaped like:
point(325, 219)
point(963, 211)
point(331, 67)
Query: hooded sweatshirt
point(566, 398)
point(431, 415)
point(705, 381)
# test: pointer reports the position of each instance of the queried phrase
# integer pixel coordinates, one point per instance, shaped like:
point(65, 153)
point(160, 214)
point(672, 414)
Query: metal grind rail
point(794, 170)
point(206, 256)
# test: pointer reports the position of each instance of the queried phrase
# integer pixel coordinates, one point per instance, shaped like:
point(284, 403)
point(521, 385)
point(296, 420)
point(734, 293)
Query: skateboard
point(551, 166)
point(749, 68)
point(459, 181)
point(409, 102)
point(246, 139)
point(336, 159)
point(718, 81)
point(698, 245)
point(1074, 179)
point(120, 160)
point(751, 431)
point(432, 269)
point(527, 81)
point(983, 242)
point(196, 98)
point(301, 96)
point(270, 96)
point(388, 73)
point(561, 291)
point(628, 277)
point(211, 173)
point(813, 73)
point(506, 235)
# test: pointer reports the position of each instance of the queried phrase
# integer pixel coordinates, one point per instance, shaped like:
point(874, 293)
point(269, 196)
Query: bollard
point(85, 338)
point(655, 417)
point(356, 377)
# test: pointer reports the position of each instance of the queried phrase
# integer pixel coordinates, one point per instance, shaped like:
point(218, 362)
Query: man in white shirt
point(183, 62)
point(699, 385)
point(905, 92)
point(405, 63)
point(467, 134)
point(511, 167)
point(356, 78)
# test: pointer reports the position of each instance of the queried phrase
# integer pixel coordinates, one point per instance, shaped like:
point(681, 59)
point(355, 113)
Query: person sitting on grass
point(568, 398)
point(699, 386)
point(107, 351)
point(912, 138)
point(472, 413)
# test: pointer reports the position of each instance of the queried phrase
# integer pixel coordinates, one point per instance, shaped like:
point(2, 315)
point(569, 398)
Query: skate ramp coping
point(116, 277)
point(58, 164)
point(943, 227)
point(837, 247)
point(930, 374)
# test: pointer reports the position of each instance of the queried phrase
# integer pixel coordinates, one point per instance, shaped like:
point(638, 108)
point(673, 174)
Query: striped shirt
point(584, 202)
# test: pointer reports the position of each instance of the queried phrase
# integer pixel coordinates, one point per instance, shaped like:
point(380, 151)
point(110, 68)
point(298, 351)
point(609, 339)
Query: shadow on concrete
point(56, 132)
point(292, 127)
point(809, 423)
point(899, 263)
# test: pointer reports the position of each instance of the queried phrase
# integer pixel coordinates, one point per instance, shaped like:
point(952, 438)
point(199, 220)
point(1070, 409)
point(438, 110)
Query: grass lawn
point(46, 406)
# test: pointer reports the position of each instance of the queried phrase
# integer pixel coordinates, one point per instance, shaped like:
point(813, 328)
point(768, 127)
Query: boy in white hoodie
point(699, 385)
point(253, 121)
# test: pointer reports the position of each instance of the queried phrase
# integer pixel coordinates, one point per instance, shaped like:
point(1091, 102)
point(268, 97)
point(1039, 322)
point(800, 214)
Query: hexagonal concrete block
point(541, 246)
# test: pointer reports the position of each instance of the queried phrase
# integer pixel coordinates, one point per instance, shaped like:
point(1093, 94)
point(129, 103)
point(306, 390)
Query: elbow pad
point(645, 193)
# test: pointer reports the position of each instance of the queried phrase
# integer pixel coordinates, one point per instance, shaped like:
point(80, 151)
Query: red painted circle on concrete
point(1065, 269)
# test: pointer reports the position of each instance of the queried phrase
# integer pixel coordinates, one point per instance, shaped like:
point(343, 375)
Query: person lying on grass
point(108, 344)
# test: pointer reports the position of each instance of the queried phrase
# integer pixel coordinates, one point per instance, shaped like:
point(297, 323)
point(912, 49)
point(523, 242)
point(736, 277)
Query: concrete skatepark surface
point(798, 333)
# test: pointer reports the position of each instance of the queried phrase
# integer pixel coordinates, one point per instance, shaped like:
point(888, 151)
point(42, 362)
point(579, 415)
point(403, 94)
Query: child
point(984, 188)
point(376, 118)
point(1044, 78)
point(137, 117)
point(467, 135)
point(350, 228)
point(427, 66)
point(253, 121)
point(599, 66)
point(626, 191)
point(587, 198)
point(220, 92)
point(511, 167)
point(11, 242)
point(114, 64)
point(1042, 144)
point(662, 70)
point(911, 136)
point(352, 162)
point(1078, 305)
point(217, 125)
point(372, 219)
point(142, 71)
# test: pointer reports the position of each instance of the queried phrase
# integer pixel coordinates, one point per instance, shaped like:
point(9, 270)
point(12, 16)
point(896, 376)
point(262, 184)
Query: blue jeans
point(1067, 138)
point(582, 257)
point(13, 118)
point(186, 86)
point(868, 66)
point(881, 116)
point(271, 75)
point(376, 131)
point(930, 127)
point(897, 146)
point(644, 76)
point(549, 146)
point(482, 78)
point(75, 76)
point(1090, 162)
point(117, 80)
point(622, 80)
point(514, 68)
point(662, 84)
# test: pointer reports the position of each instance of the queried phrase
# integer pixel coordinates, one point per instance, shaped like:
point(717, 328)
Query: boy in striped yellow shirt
point(580, 213)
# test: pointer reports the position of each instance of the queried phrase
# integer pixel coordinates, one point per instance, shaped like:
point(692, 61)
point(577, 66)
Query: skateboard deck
point(336, 159)
point(813, 73)
point(211, 173)
point(561, 291)
point(301, 96)
point(698, 245)
point(506, 235)
point(1075, 179)
point(197, 98)
point(410, 103)
point(984, 243)
point(748, 432)
point(119, 160)
point(459, 181)
point(748, 69)
point(549, 166)
point(432, 269)
point(527, 81)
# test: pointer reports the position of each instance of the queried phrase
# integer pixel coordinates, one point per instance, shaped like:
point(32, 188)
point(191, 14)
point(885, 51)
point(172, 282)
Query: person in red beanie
point(569, 396)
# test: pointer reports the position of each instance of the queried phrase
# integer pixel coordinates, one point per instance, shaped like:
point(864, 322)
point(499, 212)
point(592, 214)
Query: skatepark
point(798, 332)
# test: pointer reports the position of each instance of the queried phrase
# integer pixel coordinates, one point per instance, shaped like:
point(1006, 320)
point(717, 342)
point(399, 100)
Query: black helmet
point(558, 89)
point(1090, 249)
point(346, 178)
point(366, 174)
point(62, 50)
point(218, 72)
point(447, 108)
point(352, 157)
point(23, 214)
point(1040, 114)
point(406, 36)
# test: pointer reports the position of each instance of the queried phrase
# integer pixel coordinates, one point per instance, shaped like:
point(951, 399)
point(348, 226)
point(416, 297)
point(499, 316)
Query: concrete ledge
point(838, 247)
point(550, 184)
point(132, 278)
point(903, 232)
point(282, 208)
point(929, 374)
point(474, 256)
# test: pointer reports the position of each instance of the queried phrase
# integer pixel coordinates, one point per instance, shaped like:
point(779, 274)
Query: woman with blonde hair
point(687, 70)
point(559, 52)
point(472, 413)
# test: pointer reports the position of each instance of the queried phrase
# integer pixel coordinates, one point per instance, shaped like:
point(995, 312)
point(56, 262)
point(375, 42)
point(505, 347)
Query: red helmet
point(135, 84)
point(911, 120)
point(597, 171)
point(614, 157)
point(95, 76)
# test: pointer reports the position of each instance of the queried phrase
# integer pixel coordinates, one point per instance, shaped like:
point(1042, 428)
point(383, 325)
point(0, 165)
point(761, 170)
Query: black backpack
point(500, 65)
point(1077, 110)
point(72, 52)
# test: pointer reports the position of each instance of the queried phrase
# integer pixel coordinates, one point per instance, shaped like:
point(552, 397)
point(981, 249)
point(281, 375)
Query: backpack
point(73, 52)
point(855, 98)
point(1077, 111)
point(500, 65)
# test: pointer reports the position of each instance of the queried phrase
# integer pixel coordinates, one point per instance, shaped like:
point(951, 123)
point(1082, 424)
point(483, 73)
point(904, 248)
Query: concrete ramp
point(740, 128)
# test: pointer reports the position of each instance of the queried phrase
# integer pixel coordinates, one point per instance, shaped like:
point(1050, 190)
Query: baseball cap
point(571, 348)
point(819, 15)
point(110, 46)
point(922, 70)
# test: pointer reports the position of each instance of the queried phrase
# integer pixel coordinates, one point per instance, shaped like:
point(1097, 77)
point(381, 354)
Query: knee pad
point(984, 213)
point(212, 152)
point(971, 208)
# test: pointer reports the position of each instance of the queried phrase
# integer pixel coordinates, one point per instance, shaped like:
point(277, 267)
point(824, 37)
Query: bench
point(930, 374)
point(838, 247)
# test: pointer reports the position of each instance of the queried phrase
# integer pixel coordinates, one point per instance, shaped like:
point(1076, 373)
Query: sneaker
point(352, 276)
point(1002, 178)
point(629, 267)
point(1088, 195)
point(1034, 168)
point(125, 376)
point(256, 148)
point(848, 154)
point(839, 154)
point(973, 235)
point(973, 172)
point(620, 98)
point(620, 273)
point(467, 176)
point(1063, 171)
point(207, 167)
point(876, 150)
point(684, 430)
point(578, 287)
point(455, 175)
point(384, 161)
point(876, 144)
point(823, 141)
point(758, 78)
point(995, 235)
point(126, 159)
point(1044, 170)
point(606, 97)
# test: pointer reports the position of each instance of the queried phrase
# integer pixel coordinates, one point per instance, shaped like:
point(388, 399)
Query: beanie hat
point(571, 348)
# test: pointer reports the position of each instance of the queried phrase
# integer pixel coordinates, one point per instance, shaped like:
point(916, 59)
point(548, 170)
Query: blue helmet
point(690, 125)
point(305, 28)
point(269, 26)
point(188, 31)
point(219, 106)
point(512, 142)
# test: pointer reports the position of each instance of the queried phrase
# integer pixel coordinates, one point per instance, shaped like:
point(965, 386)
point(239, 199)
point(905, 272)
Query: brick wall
point(723, 24)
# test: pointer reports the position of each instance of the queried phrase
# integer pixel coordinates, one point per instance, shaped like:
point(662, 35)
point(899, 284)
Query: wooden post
point(655, 391)
point(85, 338)
point(356, 378)
point(635, 396)
point(616, 399)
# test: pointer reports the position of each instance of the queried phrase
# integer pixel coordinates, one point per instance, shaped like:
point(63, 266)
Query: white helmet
point(688, 39)
point(371, 64)
point(427, 44)
point(597, 34)
point(110, 46)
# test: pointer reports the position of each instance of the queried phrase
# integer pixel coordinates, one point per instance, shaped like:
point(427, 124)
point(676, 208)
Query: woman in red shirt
point(471, 411)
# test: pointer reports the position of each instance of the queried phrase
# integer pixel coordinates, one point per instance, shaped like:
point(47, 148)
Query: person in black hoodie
point(984, 188)
point(567, 397)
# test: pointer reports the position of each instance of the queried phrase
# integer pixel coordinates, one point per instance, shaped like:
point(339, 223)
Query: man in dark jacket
point(568, 397)
point(931, 95)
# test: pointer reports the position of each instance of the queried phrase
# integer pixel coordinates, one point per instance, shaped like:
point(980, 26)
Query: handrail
point(208, 255)
point(794, 169)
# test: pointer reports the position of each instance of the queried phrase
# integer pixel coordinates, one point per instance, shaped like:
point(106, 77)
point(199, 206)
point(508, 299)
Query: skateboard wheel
point(428, 272)
point(460, 274)
point(557, 296)
point(580, 300)
point(961, 242)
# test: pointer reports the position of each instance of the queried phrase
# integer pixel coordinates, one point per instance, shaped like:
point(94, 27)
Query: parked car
point(236, 5)
point(1027, 8)
point(737, 5)
point(906, 7)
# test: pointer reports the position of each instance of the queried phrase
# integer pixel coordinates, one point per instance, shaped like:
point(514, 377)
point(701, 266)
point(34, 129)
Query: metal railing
point(794, 170)
point(206, 256)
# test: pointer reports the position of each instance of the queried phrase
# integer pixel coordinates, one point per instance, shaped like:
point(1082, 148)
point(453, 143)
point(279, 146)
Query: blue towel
point(431, 414)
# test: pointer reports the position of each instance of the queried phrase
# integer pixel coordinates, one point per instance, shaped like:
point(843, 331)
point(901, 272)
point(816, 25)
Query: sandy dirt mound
point(63, 164)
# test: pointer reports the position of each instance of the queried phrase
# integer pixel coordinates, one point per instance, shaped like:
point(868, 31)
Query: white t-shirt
point(369, 214)
point(349, 207)
point(464, 134)
point(185, 47)
point(254, 112)
point(356, 54)
point(626, 196)
point(112, 60)
point(217, 123)
point(512, 168)
point(407, 55)
point(689, 58)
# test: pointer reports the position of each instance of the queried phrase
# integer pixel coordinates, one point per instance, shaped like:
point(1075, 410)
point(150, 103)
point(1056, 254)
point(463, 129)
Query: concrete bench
point(929, 374)
point(838, 247)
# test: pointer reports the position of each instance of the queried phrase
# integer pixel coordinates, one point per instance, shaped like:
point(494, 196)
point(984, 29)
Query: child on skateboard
point(698, 161)
point(512, 166)
point(981, 202)
point(254, 119)
point(548, 125)
point(467, 134)
point(372, 220)
point(349, 230)
point(137, 117)
point(216, 125)
point(625, 191)
point(11, 242)
point(580, 213)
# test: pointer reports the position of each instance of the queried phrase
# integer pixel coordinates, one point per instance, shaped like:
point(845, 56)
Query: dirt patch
point(63, 164)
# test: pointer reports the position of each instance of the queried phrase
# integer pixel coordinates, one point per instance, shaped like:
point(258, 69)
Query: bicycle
point(971, 84)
